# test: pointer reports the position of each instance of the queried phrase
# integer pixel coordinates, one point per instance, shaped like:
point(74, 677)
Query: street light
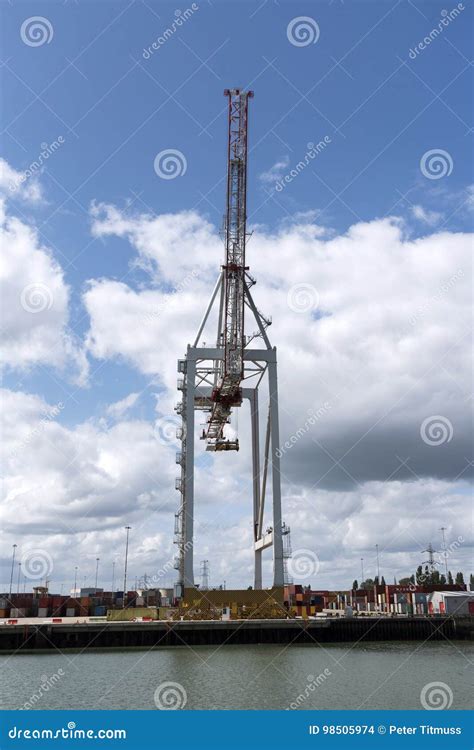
point(362, 567)
point(18, 580)
point(13, 563)
point(113, 576)
point(378, 566)
point(75, 582)
point(445, 552)
point(127, 529)
point(96, 571)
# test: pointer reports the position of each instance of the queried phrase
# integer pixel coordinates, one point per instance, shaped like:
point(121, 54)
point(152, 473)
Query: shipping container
point(43, 611)
point(70, 612)
point(17, 612)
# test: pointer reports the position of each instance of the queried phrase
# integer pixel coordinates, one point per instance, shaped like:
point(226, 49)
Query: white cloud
point(35, 302)
point(276, 171)
point(71, 490)
point(16, 183)
point(122, 407)
point(426, 216)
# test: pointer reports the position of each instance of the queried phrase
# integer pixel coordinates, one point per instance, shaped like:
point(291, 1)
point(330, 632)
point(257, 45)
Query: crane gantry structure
point(216, 380)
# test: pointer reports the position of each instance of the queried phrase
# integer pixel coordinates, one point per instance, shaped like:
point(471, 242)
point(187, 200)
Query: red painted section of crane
point(227, 392)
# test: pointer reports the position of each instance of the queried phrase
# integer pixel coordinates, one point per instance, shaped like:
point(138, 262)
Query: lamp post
point(18, 579)
point(97, 559)
point(445, 552)
point(362, 568)
point(127, 529)
point(13, 564)
point(113, 576)
point(378, 565)
point(75, 582)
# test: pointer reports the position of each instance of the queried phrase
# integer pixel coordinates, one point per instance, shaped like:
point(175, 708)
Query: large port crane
point(216, 380)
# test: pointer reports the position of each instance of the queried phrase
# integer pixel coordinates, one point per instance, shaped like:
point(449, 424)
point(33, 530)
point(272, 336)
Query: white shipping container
point(70, 612)
point(42, 612)
point(17, 612)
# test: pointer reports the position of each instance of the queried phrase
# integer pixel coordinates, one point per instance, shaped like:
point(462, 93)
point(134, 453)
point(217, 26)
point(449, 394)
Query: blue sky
point(116, 109)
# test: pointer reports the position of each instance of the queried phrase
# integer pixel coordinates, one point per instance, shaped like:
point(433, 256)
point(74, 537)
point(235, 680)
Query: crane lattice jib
point(227, 392)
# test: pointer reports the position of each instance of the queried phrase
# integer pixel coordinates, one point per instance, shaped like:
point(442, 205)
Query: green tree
point(450, 578)
point(442, 580)
point(460, 579)
point(355, 585)
point(419, 575)
point(383, 581)
point(471, 581)
point(405, 581)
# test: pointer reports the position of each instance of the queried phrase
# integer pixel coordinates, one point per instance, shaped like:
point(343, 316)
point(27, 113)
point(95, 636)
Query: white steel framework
point(216, 379)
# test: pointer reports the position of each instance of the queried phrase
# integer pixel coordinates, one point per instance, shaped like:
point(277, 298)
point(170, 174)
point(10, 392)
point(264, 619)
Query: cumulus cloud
point(122, 407)
point(35, 299)
point(372, 334)
point(16, 183)
point(426, 216)
point(372, 323)
point(276, 171)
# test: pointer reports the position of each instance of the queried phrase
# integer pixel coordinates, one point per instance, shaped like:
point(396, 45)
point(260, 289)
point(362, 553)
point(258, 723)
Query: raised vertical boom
point(231, 336)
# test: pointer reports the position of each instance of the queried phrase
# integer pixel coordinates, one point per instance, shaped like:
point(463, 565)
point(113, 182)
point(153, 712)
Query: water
point(373, 676)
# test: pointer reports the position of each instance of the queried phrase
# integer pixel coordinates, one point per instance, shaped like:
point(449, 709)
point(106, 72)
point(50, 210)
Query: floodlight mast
point(215, 380)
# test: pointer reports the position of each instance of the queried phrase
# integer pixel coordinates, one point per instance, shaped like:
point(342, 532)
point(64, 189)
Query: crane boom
point(227, 391)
